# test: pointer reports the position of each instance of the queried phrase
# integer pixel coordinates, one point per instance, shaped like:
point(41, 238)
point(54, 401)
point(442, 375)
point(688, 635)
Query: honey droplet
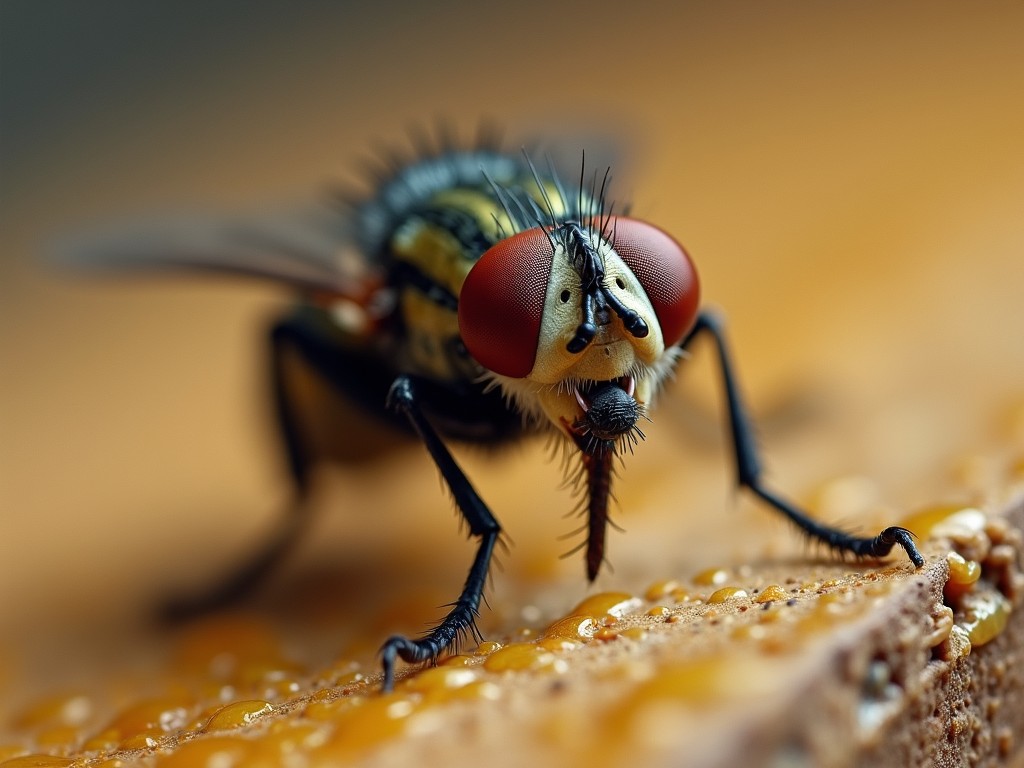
point(326, 711)
point(519, 657)
point(66, 709)
point(725, 594)
point(101, 742)
point(440, 685)
point(576, 627)
point(267, 678)
point(963, 574)
point(962, 571)
point(143, 740)
point(606, 604)
point(208, 752)
point(558, 644)
point(660, 589)
point(703, 681)
point(458, 660)
point(238, 714)
point(938, 520)
point(149, 716)
point(365, 723)
point(771, 594)
point(439, 678)
point(988, 615)
point(711, 577)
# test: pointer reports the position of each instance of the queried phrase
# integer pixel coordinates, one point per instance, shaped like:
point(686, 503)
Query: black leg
point(461, 618)
point(748, 466)
point(302, 337)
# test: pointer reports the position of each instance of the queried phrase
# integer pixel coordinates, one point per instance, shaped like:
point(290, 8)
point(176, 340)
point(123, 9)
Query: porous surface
point(807, 662)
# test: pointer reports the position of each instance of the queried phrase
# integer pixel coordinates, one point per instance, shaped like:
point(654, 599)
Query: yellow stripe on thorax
point(436, 253)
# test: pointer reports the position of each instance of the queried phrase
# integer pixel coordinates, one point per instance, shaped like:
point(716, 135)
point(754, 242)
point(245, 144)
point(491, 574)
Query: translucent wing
point(311, 248)
point(325, 250)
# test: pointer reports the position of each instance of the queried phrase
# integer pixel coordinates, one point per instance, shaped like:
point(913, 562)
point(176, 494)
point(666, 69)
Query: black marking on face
point(595, 297)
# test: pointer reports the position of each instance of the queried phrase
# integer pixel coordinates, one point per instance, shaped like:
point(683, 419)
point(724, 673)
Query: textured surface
point(802, 663)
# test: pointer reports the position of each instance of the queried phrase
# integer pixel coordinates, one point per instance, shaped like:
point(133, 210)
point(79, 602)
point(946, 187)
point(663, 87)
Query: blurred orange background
point(848, 177)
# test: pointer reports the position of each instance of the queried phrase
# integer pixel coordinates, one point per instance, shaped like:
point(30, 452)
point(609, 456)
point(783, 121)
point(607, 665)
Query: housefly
point(476, 297)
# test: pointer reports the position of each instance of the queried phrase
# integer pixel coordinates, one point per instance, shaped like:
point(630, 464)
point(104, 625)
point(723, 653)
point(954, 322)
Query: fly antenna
point(587, 262)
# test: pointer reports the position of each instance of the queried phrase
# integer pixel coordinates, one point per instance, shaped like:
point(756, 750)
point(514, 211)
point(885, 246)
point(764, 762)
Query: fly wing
point(311, 248)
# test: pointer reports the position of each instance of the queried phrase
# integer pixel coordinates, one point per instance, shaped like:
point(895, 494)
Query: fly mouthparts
point(592, 389)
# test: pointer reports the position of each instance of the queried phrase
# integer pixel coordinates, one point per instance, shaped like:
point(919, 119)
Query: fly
point(475, 298)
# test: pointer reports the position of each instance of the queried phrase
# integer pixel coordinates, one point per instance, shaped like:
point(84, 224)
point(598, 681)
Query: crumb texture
point(807, 663)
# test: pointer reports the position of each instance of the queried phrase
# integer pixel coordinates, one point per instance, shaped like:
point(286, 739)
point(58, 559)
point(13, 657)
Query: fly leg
point(482, 524)
point(748, 466)
point(298, 338)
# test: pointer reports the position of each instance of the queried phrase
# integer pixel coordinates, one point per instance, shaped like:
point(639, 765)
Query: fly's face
point(579, 323)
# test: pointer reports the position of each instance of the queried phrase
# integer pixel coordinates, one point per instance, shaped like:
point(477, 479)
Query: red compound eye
point(502, 302)
point(665, 272)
